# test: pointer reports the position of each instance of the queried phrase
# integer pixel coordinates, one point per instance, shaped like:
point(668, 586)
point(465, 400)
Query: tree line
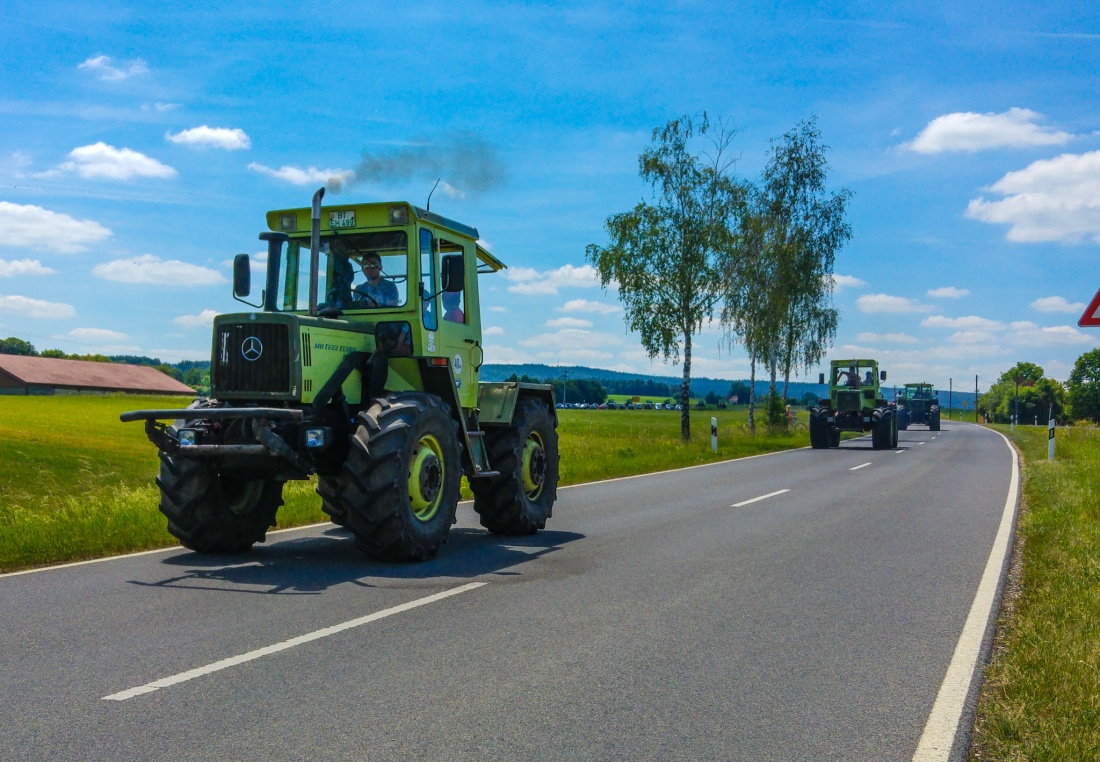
point(710, 245)
point(1026, 392)
point(195, 374)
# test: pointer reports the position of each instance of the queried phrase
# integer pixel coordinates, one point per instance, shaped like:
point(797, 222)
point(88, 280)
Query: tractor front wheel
point(934, 418)
point(215, 513)
point(521, 499)
point(882, 429)
point(399, 487)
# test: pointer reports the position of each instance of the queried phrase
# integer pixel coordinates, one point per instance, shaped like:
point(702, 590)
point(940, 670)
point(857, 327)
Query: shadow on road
point(311, 565)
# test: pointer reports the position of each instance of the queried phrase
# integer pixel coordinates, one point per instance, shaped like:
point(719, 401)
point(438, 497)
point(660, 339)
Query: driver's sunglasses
point(372, 264)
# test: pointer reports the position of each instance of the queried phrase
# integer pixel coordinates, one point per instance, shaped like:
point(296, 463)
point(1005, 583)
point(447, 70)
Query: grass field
point(1041, 696)
point(75, 483)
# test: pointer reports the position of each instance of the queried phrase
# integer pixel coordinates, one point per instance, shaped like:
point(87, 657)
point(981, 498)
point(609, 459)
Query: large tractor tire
point(820, 435)
point(215, 513)
point(882, 427)
point(399, 487)
point(934, 418)
point(521, 499)
point(834, 437)
point(903, 420)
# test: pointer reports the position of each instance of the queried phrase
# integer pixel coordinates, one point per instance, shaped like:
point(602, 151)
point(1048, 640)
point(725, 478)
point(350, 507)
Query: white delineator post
point(1050, 440)
point(714, 435)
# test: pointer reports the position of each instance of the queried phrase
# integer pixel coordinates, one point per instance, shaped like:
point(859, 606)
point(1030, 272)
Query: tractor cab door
point(450, 327)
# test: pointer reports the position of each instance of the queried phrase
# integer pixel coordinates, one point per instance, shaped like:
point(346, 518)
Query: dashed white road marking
point(920, 443)
point(898, 451)
point(233, 661)
point(861, 465)
point(757, 499)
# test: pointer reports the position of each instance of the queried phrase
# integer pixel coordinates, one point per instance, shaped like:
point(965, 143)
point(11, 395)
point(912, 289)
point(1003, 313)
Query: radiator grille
point(252, 357)
point(847, 400)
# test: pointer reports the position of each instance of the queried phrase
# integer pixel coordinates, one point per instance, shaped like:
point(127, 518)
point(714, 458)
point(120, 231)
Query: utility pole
point(950, 396)
point(564, 386)
point(1016, 415)
point(975, 398)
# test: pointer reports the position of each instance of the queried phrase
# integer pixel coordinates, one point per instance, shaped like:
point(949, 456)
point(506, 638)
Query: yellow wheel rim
point(534, 466)
point(426, 475)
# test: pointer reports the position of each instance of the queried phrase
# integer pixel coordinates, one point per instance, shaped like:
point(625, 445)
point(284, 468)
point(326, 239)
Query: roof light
point(399, 215)
point(288, 223)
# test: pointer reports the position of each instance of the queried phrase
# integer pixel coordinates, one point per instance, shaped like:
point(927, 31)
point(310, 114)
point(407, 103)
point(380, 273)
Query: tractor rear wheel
point(521, 499)
point(399, 487)
point(934, 418)
point(215, 513)
point(903, 420)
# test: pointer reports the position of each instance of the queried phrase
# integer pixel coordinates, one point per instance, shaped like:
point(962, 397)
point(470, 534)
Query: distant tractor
point(358, 364)
point(855, 403)
point(918, 405)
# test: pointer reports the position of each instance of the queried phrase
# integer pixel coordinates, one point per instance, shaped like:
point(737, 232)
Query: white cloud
point(150, 269)
point(203, 320)
point(531, 282)
point(972, 337)
point(887, 303)
point(886, 338)
point(33, 227)
point(1050, 200)
point(103, 161)
point(105, 69)
point(948, 292)
point(585, 305)
point(493, 330)
point(212, 137)
point(568, 322)
point(571, 338)
point(846, 281)
point(498, 309)
point(97, 334)
point(308, 176)
point(968, 323)
point(967, 131)
point(1057, 304)
point(1028, 334)
point(23, 267)
point(35, 308)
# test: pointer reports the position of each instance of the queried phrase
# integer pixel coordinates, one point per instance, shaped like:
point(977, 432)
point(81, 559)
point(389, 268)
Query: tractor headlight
point(188, 437)
point(318, 438)
point(399, 215)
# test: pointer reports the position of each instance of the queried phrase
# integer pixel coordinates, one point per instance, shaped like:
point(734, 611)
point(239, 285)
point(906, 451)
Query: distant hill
point(699, 385)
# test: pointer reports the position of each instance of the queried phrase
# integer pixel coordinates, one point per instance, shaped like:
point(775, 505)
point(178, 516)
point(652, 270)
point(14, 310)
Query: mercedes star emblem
point(252, 349)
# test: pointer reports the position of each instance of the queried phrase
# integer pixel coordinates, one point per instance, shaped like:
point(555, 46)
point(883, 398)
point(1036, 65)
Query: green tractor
point(918, 405)
point(855, 403)
point(359, 364)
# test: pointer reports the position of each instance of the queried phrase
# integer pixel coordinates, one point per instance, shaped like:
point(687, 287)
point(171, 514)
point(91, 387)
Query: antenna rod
point(429, 208)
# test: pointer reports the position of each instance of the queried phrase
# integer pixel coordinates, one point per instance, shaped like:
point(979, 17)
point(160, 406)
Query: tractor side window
point(428, 280)
point(454, 302)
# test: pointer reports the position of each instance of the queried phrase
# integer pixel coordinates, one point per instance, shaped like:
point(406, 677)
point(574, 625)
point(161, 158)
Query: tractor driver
point(377, 291)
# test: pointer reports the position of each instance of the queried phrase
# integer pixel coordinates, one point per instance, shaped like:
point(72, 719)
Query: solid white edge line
point(757, 499)
point(861, 465)
point(121, 556)
point(943, 723)
point(233, 661)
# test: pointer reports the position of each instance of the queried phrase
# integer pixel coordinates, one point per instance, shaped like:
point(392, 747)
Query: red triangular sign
point(1091, 317)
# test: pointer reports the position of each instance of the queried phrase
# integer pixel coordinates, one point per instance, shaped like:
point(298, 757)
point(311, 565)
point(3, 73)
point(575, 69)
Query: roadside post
point(1050, 440)
point(714, 435)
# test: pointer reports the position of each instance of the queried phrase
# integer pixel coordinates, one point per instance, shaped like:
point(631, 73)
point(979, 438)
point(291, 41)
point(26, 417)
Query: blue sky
point(141, 145)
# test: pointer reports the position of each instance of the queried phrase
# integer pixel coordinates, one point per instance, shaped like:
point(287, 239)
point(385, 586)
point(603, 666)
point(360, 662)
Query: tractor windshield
point(358, 271)
point(854, 376)
point(918, 392)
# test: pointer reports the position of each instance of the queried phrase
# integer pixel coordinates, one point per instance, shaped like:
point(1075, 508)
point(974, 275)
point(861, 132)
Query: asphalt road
point(667, 617)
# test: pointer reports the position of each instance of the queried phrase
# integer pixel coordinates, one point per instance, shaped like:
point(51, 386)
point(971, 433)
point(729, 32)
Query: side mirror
point(882, 375)
point(454, 276)
point(821, 378)
point(242, 276)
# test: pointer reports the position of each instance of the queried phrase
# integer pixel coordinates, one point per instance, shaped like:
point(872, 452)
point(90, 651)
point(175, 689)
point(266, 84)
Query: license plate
point(341, 219)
